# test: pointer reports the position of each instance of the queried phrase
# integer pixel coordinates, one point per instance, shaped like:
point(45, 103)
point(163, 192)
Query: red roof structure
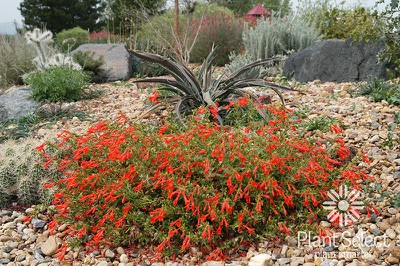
point(256, 13)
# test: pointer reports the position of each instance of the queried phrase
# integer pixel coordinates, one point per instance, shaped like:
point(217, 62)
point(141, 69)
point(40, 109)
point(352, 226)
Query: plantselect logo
point(344, 206)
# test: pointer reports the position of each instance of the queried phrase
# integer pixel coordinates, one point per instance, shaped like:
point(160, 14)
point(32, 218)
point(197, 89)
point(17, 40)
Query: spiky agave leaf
point(192, 91)
point(181, 73)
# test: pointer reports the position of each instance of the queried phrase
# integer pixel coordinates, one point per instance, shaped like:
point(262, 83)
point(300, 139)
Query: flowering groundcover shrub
point(204, 185)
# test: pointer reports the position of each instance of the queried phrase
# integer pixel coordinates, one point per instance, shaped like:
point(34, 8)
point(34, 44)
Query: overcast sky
point(9, 11)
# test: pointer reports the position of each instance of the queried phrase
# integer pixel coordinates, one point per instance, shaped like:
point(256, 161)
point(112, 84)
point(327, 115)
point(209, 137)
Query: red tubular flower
point(157, 215)
point(226, 207)
point(243, 101)
point(154, 96)
point(186, 243)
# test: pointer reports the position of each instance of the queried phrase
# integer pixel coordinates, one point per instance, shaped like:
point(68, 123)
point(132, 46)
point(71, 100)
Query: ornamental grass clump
point(205, 186)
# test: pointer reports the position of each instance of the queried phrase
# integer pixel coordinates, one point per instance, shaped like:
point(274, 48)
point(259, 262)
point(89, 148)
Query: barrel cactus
point(22, 174)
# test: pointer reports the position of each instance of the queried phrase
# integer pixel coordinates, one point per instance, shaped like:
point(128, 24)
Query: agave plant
point(193, 91)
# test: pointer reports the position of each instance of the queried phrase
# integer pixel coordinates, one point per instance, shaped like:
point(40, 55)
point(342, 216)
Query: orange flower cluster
point(206, 185)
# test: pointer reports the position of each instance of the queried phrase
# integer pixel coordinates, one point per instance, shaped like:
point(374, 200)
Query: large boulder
point(16, 103)
point(117, 60)
point(337, 61)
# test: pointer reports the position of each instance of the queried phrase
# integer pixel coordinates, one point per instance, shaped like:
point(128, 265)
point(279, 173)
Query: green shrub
point(221, 30)
point(91, 64)
point(357, 23)
point(69, 40)
point(22, 174)
point(15, 59)
point(204, 185)
point(57, 84)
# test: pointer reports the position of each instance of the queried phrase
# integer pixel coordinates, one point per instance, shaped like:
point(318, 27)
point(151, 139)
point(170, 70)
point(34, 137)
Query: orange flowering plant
point(205, 185)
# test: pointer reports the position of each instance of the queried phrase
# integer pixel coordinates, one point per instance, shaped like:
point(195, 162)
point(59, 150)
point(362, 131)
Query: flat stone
point(124, 258)
point(109, 254)
point(284, 261)
point(49, 247)
point(260, 260)
point(296, 261)
point(391, 233)
point(392, 260)
point(120, 250)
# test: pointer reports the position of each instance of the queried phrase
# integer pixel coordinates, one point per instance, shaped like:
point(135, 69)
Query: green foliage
point(91, 64)
point(15, 60)
point(204, 185)
point(380, 90)
point(28, 125)
point(69, 40)
point(155, 35)
point(337, 23)
point(391, 35)
point(322, 123)
point(193, 90)
point(57, 15)
point(22, 174)
point(220, 30)
point(57, 84)
point(18, 128)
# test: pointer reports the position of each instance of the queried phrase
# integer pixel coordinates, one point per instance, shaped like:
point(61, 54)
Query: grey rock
point(337, 61)
point(4, 261)
point(39, 256)
point(109, 254)
point(15, 103)
point(37, 223)
point(374, 139)
point(7, 249)
point(117, 60)
point(284, 261)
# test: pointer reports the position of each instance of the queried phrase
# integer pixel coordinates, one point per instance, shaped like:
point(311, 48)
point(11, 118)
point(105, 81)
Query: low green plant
point(91, 64)
point(57, 84)
point(22, 174)
point(323, 123)
point(380, 90)
point(15, 60)
point(204, 185)
point(69, 40)
point(58, 78)
point(27, 126)
point(193, 91)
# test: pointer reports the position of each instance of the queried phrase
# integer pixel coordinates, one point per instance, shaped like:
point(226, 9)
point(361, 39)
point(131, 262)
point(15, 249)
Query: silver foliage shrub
point(275, 37)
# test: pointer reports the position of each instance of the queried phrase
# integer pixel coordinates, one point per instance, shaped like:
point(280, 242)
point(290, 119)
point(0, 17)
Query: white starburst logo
point(344, 206)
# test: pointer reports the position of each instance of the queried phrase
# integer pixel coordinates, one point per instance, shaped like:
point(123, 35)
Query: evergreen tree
point(57, 15)
point(125, 14)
